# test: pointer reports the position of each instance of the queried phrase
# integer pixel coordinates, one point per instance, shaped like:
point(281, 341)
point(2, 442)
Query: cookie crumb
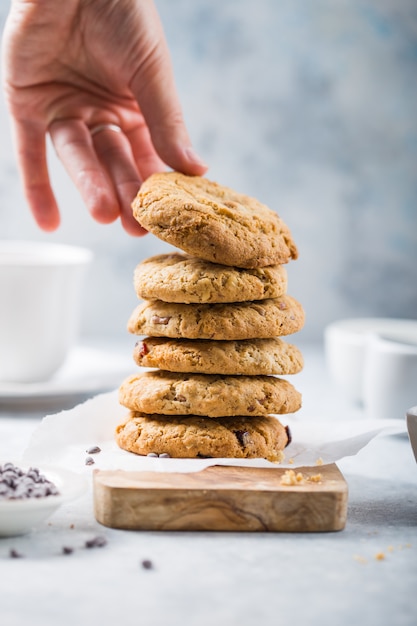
point(360, 559)
point(316, 478)
point(290, 478)
point(380, 556)
point(319, 461)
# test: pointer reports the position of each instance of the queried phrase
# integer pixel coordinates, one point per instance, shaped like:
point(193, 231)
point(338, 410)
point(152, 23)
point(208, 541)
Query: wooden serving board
point(221, 498)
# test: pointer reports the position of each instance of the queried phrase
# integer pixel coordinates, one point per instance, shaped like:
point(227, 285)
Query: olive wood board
point(221, 498)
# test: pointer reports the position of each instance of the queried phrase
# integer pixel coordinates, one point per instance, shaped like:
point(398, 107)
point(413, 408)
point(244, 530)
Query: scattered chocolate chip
point(93, 450)
point(289, 435)
point(97, 542)
point(67, 550)
point(14, 554)
point(89, 460)
point(147, 564)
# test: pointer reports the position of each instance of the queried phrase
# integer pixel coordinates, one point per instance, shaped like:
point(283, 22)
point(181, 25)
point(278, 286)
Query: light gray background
point(308, 105)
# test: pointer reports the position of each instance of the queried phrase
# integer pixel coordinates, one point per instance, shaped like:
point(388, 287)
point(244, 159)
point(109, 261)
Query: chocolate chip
point(164, 455)
point(143, 349)
point(17, 484)
point(14, 554)
point(67, 550)
point(93, 450)
point(152, 454)
point(242, 436)
point(89, 460)
point(289, 435)
point(157, 319)
point(147, 564)
point(97, 542)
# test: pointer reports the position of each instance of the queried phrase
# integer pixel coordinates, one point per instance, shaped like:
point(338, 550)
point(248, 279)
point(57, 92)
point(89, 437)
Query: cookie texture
point(251, 356)
point(182, 278)
point(212, 222)
point(245, 320)
point(199, 437)
point(171, 393)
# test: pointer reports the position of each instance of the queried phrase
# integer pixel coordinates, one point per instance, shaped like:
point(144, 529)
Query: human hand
point(77, 66)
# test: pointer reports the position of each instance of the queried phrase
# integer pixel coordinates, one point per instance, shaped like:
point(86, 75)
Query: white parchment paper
point(63, 440)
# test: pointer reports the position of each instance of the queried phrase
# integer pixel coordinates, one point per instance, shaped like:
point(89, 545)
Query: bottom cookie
point(200, 437)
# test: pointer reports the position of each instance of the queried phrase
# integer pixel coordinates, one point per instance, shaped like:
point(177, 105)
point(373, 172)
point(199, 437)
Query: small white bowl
point(18, 517)
point(345, 347)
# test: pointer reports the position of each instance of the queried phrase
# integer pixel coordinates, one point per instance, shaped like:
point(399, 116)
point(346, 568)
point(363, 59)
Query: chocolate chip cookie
point(181, 278)
point(245, 320)
point(212, 222)
point(209, 395)
point(199, 437)
point(251, 356)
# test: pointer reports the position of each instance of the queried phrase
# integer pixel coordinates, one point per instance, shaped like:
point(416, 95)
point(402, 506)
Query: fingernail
point(193, 156)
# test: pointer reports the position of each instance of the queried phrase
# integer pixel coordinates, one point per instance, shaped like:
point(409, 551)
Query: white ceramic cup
point(40, 296)
point(345, 344)
point(389, 376)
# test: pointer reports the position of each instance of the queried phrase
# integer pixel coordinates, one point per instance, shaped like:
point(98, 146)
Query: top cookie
point(212, 222)
point(181, 278)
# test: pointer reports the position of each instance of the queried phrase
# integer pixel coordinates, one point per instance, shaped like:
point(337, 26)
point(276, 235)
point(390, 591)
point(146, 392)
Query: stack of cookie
point(212, 321)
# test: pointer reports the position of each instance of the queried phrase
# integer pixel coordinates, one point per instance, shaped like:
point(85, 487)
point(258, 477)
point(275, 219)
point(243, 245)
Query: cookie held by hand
point(212, 222)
